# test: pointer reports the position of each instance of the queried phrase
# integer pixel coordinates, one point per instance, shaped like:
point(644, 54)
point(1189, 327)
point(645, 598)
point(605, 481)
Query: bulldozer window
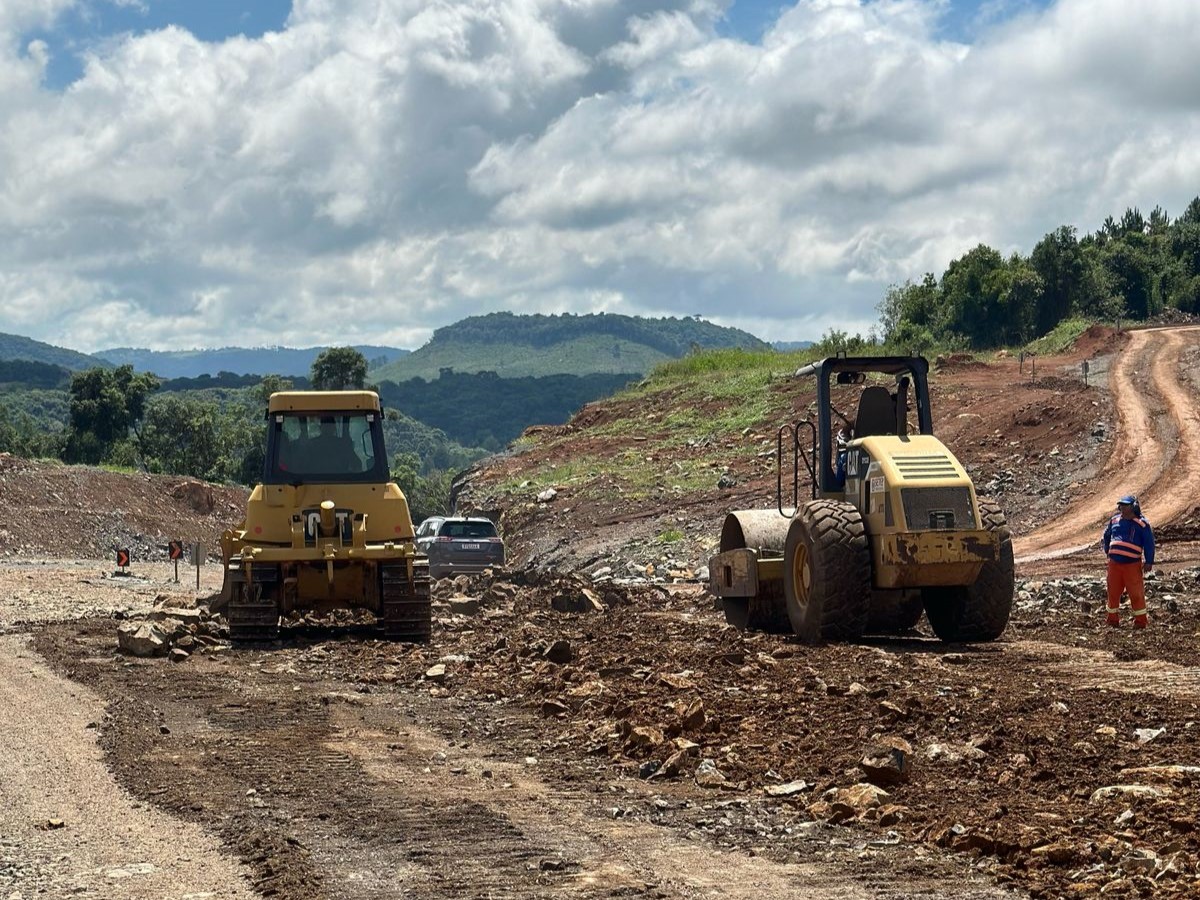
point(323, 447)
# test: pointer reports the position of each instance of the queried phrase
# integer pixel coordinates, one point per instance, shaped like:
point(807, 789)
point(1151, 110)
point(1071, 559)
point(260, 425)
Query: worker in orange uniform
point(1129, 543)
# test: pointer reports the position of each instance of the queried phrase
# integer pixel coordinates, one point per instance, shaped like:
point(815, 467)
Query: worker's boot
point(1141, 620)
point(1113, 619)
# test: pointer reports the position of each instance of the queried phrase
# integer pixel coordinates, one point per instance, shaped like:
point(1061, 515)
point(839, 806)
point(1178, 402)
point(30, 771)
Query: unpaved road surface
point(332, 770)
point(67, 829)
point(1156, 455)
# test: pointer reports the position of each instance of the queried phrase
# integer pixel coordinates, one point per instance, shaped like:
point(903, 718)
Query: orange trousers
point(1122, 578)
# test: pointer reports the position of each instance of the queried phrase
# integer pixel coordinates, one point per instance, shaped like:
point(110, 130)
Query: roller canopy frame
point(913, 368)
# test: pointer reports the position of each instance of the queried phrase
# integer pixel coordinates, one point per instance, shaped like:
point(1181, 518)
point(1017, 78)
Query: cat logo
point(344, 519)
point(857, 462)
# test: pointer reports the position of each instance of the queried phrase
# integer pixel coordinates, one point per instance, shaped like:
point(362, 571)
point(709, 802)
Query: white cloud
point(380, 168)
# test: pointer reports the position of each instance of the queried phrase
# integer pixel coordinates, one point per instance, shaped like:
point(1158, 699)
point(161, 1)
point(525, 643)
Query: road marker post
point(123, 560)
point(197, 561)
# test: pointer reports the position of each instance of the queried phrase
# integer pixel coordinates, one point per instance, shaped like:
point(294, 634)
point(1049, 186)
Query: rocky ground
point(1058, 762)
point(586, 723)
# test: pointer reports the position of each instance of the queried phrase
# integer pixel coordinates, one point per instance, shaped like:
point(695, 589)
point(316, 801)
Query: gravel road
point(66, 828)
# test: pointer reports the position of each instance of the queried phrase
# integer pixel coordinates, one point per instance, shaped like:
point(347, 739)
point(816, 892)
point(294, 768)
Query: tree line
point(1134, 267)
point(483, 409)
point(116, 417)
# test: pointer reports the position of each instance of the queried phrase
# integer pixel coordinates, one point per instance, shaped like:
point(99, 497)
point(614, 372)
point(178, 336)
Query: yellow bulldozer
point(327, 528)
point(893, 526)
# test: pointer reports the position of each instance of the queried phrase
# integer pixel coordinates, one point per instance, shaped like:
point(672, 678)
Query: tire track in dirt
point(1157, 451)
point(329, 793)
point(1102, 670)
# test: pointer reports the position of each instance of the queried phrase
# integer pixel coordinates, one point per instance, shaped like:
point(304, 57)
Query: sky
point(176, 174)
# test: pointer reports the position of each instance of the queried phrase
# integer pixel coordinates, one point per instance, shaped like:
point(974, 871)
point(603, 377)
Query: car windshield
point(467, 530)
point(327, 446)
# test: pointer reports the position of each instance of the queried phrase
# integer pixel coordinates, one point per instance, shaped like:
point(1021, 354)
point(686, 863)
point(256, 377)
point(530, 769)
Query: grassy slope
point(579, 356)
point(641, 469)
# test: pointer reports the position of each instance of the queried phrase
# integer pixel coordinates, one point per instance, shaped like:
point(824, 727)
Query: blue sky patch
point(98, 20)
point(962, 20)
point(95, 21)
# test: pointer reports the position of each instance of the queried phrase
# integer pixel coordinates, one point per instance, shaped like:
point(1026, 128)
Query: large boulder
point(196, 494)
point(143, 639)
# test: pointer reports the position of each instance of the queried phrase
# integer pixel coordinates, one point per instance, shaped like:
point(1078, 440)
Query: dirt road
point(332, 770)
point(1156, 455)
point(67, 829)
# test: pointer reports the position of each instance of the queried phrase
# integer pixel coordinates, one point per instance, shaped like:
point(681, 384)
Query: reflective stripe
point(1125, 548)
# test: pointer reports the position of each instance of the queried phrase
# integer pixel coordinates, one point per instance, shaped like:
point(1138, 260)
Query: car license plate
point(471, 546)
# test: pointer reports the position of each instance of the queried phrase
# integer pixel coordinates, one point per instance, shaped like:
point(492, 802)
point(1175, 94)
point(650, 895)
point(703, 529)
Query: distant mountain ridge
point(14, 346)
point(520, 346)
point(288, 361)
point(788, 346)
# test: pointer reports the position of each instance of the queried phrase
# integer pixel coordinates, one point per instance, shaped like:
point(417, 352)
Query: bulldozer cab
point(326, 447)
point(875, 390)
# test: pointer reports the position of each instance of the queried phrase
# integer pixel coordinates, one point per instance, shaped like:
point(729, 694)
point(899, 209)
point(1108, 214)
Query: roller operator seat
point(876, 412)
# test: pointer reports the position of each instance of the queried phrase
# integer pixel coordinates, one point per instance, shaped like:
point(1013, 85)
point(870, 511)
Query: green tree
point(971, 289)
point(181, 435)
point(428, 495)
point(909, 310)
point(21, 435)
point(272, 384)
point(106, 404)
point(339, 369)
point(406, 469)
point(1128, 264)
point(1059, 261)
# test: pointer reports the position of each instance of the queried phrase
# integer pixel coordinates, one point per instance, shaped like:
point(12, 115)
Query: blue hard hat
point(1127, 500)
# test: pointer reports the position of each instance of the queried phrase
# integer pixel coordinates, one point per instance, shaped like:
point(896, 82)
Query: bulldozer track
point(405, 607)
point(252, 612)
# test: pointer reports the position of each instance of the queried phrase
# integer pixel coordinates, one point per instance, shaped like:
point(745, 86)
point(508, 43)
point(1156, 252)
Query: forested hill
point(532, 346)
point(287, 361)
point(13, 346)
point(1135, 267)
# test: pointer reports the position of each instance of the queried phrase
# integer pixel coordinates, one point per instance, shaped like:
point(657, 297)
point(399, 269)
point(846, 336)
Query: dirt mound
point(196, 494)
point(54, 510)
point(1171, 316)
point(1097, 341)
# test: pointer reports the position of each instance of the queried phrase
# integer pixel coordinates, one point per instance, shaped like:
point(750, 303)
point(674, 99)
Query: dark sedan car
point(459, 545)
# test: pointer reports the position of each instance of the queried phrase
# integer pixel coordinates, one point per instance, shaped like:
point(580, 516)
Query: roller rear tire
point(827, 572)
point(980, 611)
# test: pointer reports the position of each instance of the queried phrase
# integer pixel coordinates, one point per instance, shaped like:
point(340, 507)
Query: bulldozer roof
point(322, 401)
